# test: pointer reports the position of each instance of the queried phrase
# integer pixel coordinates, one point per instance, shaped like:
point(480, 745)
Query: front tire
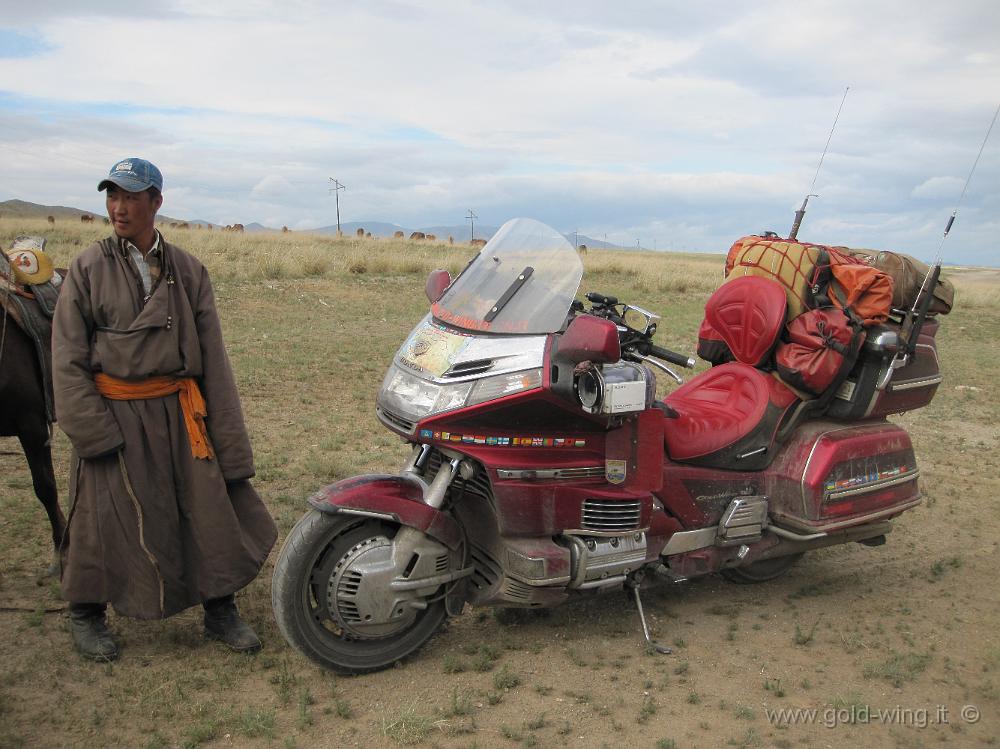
point(317, 547)
point(761, 571)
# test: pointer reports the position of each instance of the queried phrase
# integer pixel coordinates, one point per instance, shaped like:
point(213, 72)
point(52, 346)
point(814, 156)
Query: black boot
point(90, 632)
point(223, 622)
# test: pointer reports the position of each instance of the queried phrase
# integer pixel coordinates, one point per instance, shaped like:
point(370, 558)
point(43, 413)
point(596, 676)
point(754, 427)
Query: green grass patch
point(898, 668)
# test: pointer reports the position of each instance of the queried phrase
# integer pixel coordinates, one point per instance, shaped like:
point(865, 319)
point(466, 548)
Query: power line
point(472, 224)
point(337, 187)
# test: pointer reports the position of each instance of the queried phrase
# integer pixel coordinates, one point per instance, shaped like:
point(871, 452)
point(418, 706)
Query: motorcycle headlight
point(411, 397)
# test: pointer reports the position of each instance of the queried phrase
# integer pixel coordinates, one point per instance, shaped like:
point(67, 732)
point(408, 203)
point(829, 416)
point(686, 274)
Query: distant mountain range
point(460, 232)
point(24, 209)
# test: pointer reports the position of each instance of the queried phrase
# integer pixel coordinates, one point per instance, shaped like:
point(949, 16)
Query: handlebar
point(635, 341)
point(679, 359)
point(601, 299)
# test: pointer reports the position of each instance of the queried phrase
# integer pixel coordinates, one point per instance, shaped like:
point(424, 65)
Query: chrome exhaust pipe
point(832, 538)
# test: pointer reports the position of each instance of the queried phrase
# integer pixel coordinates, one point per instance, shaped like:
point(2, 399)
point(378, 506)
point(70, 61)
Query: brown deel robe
point(152, 529)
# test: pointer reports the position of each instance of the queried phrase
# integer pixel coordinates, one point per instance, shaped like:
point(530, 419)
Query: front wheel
point(331, 592)
point(761, 571)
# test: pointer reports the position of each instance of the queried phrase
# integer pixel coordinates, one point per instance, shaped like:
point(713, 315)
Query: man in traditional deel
point(162, 513)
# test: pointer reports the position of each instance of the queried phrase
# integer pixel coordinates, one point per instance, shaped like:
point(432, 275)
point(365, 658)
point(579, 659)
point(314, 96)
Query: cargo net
point(792, 264)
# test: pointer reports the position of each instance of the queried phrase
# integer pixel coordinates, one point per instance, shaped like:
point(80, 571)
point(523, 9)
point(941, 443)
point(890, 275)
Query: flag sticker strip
point(871, 477)
point(498, 441)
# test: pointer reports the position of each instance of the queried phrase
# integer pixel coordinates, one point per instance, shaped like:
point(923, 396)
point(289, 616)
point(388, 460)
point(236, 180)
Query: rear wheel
point(331, 594)
point(762, 570)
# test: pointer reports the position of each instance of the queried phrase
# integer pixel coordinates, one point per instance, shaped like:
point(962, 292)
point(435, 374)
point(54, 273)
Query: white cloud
point(666, 118)
point(938, 188)
point(272, 186)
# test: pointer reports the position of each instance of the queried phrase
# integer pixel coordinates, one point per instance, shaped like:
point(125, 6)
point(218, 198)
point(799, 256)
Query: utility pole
point(337, 187)
point(472, 224)
point(576, 243)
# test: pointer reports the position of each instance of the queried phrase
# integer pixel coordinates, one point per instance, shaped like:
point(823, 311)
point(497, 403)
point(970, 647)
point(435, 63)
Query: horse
point(23, 416)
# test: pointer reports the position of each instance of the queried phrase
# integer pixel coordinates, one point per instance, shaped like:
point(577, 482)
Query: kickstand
point(645, 629)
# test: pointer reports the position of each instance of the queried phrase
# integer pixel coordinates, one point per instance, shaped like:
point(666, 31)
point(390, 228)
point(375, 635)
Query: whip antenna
point(802, 210)
point(915, 317)
point(968, 179)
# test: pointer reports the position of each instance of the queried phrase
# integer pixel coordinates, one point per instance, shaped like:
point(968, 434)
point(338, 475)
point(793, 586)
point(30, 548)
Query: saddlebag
point(855, 473)
point(821, 347)
point(865, 394)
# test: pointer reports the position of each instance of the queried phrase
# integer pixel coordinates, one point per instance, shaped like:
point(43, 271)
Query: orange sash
point(191, 400)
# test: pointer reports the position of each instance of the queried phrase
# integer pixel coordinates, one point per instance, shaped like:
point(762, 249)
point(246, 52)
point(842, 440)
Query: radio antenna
point(915, 317)
point(951, 219)
point(802, 210)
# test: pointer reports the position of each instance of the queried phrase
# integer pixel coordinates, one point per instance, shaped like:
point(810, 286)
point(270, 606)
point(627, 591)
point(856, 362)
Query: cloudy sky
point(681, 124)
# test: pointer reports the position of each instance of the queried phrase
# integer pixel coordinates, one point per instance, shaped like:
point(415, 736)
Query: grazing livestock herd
point(360, 232)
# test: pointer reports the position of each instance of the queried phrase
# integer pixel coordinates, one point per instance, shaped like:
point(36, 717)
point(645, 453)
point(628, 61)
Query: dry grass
point(975, 287)
point(269, 255)
point(266, 255)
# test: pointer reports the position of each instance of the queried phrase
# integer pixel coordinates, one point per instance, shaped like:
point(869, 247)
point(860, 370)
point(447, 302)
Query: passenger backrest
point(748, 312)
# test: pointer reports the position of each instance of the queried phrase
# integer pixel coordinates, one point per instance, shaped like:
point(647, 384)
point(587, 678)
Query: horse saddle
point(29, 289)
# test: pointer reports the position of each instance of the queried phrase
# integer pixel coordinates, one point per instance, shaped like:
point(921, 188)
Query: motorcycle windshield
point(523, 281)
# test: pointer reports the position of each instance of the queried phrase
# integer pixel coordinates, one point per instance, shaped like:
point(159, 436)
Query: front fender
point(396, 498)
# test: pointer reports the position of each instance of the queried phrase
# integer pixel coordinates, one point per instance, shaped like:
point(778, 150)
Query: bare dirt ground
point(894, 646)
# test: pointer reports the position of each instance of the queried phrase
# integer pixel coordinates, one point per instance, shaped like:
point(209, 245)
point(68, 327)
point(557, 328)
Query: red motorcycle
point(544, 468)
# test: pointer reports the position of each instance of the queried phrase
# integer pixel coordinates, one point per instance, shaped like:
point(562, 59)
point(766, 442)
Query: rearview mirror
point(640, 320)
point(438, 280)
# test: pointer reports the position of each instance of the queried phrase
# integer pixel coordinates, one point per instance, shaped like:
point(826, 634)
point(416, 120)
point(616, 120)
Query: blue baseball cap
point(133, 175)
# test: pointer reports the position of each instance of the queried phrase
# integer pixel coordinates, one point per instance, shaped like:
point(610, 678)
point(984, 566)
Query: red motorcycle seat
point(726, 416)
point(748, 312)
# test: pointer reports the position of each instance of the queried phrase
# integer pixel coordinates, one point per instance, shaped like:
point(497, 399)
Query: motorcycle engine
point(597, 562)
